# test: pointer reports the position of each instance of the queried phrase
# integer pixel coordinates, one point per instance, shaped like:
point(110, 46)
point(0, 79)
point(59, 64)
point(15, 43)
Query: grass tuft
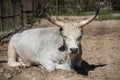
point(108, 17)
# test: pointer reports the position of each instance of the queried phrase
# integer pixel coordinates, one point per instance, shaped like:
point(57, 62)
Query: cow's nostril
point(76, 49)
point(73, 50)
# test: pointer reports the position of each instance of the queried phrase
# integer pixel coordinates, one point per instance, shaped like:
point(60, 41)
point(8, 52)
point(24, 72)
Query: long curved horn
point(53, 21)
point(56, 22)
point(85, 22)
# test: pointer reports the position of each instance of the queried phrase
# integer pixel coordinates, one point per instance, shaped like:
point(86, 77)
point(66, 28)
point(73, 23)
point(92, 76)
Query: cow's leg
point(12, 56)
point(48, 64)
point(24, 63)
point(64, 66)
point(21, 61)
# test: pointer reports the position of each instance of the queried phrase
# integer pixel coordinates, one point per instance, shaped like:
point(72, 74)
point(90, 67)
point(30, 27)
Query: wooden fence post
point(0, 19)
point(34, 6)
point(7, 15)
point(26, 11)
point(56, 9)
point(76, 6)
point(16, 13)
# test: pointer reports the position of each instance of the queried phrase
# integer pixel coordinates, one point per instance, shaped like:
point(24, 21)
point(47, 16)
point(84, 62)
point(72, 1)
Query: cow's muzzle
point(74, 50)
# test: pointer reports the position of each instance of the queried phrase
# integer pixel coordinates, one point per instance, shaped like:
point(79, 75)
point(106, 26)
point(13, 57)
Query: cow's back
point(34, 42)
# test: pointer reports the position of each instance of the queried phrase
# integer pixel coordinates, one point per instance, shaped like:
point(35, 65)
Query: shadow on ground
point(86, 67)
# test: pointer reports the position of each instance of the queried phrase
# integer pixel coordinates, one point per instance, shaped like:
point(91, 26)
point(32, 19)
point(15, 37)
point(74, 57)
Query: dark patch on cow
point(63, 47)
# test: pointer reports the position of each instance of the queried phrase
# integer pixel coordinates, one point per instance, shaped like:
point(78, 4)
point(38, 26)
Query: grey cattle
point(49, 47)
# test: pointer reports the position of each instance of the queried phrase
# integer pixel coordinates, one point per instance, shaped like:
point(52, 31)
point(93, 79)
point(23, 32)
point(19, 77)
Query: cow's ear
point(62, 48)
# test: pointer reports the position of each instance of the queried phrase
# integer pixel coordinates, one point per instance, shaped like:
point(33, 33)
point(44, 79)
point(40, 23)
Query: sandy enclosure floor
point(101, 54)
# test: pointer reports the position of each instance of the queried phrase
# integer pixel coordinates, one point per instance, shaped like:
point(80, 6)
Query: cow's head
point(71, 33)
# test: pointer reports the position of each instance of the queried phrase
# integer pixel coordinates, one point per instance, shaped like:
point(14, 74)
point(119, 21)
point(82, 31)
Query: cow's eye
point(78, 38)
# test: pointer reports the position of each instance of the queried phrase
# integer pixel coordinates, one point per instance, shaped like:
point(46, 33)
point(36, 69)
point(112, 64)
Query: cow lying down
point(50, 47)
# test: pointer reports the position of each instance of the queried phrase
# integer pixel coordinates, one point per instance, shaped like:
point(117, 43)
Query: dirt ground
point(101, 55)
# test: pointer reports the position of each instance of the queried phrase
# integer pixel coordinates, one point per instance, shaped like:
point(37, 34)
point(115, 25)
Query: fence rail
point(14, 13)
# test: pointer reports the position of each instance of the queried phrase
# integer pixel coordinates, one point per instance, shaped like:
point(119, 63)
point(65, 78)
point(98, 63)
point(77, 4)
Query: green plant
point(108, 17)
point(33, 20)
